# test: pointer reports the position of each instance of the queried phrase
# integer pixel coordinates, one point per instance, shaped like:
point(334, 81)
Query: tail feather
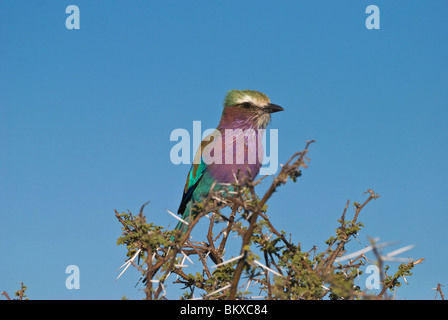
point(182, 227)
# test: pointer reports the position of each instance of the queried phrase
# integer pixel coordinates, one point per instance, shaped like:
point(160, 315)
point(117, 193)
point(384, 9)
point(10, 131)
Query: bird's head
point(248, 108)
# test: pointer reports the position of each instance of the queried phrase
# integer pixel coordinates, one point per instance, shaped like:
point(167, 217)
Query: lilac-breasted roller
point(233, 149)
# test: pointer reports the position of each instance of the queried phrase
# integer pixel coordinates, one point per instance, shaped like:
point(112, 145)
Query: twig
point(286, 171)
point(4, 293)
point(439, 290)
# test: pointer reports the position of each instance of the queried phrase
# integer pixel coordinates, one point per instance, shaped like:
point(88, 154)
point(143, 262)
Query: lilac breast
point(234, 152)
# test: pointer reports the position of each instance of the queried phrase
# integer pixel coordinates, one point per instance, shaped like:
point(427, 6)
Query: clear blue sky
point(86, 117)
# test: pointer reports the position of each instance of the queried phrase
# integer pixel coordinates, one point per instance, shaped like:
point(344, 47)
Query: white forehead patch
point(257, 102)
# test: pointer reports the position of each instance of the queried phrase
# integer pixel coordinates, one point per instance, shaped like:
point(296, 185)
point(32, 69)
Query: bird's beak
point(271, 108)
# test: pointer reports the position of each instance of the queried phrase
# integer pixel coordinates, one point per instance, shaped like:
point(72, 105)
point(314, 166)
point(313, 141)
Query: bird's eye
point(246, 105)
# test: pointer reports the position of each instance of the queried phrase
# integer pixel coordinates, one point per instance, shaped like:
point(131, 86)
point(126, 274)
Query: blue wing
point(194, 177)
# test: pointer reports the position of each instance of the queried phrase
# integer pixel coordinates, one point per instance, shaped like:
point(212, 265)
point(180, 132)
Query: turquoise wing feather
point(194, 177)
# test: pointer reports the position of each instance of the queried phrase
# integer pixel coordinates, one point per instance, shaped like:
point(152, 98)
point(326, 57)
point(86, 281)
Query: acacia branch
point(286, 171)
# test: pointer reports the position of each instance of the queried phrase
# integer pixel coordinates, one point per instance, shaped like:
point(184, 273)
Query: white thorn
point(228, 261)
point(401, 250)
point(216, 291)
point(265, 267)
point(187, 257)
point(175, 216)
point(127, 264)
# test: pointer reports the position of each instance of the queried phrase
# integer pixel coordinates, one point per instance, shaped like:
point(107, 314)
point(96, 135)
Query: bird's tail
point(182, 227)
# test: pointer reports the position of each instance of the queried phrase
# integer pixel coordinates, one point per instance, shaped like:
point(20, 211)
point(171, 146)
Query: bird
point(219, 158)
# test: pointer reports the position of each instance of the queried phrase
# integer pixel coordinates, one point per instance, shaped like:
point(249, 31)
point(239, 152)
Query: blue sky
point(86, 117)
